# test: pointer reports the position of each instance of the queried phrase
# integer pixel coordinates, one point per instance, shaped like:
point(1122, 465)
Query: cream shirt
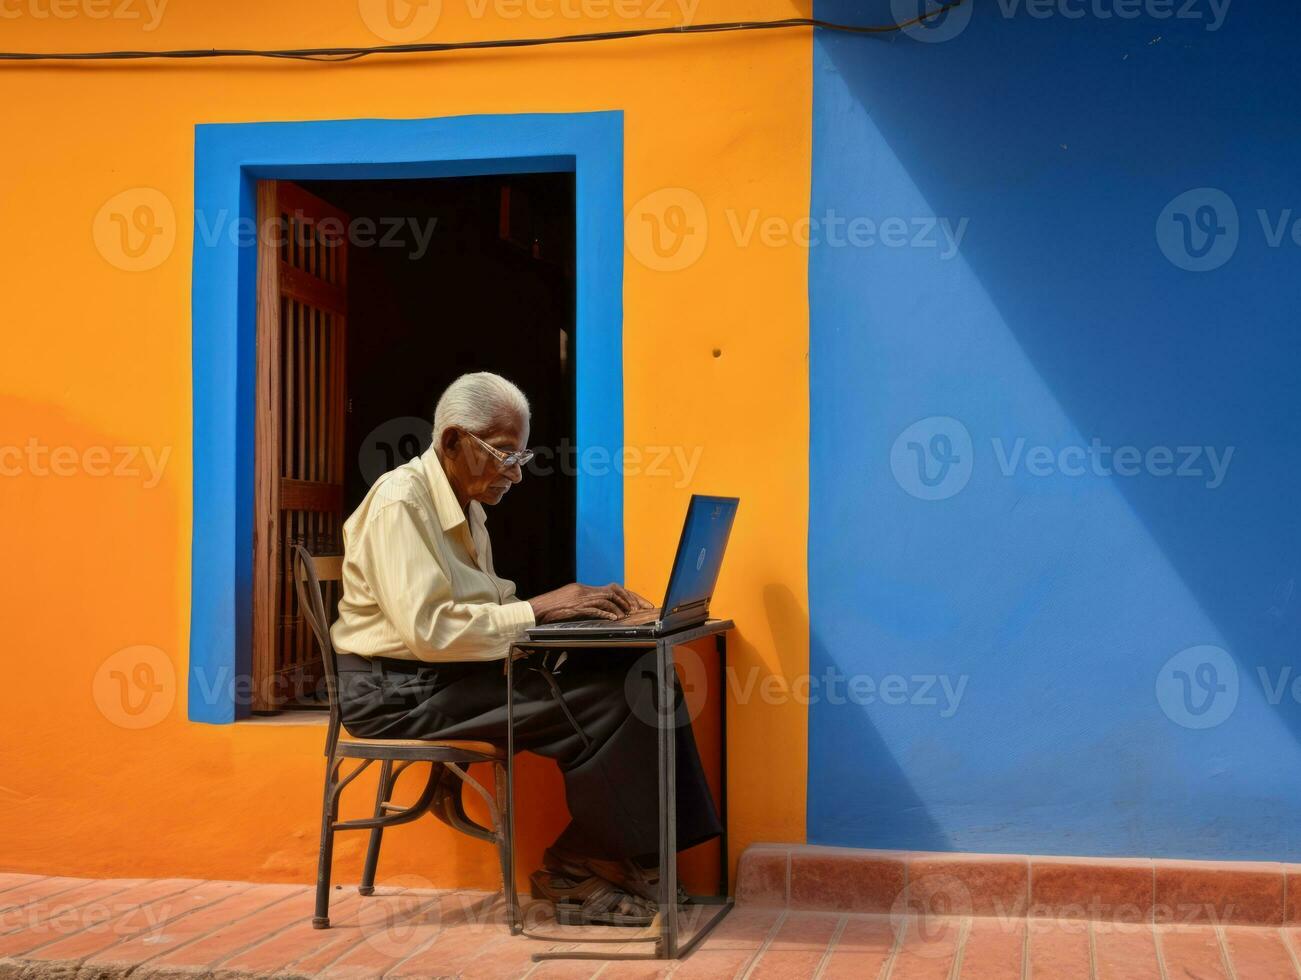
point(418, 581)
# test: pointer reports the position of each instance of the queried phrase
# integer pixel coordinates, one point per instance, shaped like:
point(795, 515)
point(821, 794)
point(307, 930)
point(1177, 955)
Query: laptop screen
point(700, 551)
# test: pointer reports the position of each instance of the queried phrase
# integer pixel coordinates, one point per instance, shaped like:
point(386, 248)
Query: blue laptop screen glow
point(700, 552)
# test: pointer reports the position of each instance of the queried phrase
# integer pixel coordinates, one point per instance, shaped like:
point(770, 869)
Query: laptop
point(691, 583)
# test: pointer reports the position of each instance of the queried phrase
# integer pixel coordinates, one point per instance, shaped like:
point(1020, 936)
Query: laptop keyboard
point(638, 618)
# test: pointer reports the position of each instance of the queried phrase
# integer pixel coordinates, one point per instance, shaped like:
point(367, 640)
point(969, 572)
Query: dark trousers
point(595, 715)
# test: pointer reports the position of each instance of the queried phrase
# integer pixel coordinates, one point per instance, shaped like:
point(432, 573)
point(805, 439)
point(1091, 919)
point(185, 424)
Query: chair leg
point(382, 792)
point(329, 811)
point(504, 848)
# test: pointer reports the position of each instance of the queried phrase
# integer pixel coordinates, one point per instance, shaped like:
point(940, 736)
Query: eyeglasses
point(518, 458)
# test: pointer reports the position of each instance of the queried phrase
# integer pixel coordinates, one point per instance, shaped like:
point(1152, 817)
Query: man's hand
point(578, 601)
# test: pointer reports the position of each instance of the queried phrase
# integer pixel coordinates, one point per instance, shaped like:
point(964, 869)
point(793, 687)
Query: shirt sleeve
point(412, 588)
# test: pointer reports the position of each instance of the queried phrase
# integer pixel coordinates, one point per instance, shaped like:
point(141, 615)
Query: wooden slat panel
point(311, 495)
point(296, 199)
point(302, 290)
point(322, 393)
point(295, 420)
point(266, 506)
point(311, 291)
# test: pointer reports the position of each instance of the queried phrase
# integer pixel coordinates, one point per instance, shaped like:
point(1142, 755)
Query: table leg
point(724, 864)
point(508, 886)
point(667, 724)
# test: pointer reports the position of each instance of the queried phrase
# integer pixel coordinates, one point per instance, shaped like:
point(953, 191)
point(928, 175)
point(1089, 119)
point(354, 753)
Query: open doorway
point(373, 296)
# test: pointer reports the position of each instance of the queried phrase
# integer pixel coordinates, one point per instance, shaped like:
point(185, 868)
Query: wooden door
point(299, 467)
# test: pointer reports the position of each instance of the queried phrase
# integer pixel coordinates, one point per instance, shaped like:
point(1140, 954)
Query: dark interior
point(456, 275)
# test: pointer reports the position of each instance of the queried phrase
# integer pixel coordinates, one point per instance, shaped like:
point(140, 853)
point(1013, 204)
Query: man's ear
point(451, 440)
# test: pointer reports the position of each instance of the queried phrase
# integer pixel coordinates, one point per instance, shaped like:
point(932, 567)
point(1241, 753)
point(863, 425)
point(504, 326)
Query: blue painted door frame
point(229, 159)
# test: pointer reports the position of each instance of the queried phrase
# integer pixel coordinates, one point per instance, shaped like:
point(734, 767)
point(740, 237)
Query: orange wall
point(96, 357)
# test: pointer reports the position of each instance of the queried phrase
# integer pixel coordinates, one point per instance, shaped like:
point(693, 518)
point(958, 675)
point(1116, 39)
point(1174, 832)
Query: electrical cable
point(353, 53)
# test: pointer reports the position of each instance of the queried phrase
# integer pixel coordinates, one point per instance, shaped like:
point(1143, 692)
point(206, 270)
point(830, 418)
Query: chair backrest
point(309, 573)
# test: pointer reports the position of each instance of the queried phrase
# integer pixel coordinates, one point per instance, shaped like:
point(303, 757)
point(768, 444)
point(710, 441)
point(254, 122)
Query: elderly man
point(425, 621)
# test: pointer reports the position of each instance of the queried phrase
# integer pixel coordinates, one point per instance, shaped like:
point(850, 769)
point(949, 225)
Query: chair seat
point(439, 750)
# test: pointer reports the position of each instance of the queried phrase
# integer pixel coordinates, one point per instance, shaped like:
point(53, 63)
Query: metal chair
point(449, 761)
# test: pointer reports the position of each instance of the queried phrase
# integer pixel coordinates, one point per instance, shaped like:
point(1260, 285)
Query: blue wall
point(1103, 624)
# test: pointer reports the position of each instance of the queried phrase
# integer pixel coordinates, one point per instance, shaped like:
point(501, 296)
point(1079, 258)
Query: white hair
point(475, 401)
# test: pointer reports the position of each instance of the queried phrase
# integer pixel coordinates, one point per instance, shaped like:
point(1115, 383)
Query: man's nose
point(514, 473)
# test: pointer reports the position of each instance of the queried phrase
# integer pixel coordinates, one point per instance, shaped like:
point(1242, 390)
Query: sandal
point(625, 874)
point(590, 901)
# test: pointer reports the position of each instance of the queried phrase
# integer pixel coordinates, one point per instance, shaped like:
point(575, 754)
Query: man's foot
point(590, 901)
point(624, 874)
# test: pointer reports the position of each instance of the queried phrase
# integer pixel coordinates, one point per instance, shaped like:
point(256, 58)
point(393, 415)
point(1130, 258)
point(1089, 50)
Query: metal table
point(712, 908)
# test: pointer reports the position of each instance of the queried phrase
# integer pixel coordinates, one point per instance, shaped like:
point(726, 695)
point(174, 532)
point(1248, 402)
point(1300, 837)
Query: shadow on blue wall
point(1037, 288)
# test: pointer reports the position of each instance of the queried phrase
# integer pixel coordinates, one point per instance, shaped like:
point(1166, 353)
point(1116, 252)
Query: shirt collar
point(445, 502)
